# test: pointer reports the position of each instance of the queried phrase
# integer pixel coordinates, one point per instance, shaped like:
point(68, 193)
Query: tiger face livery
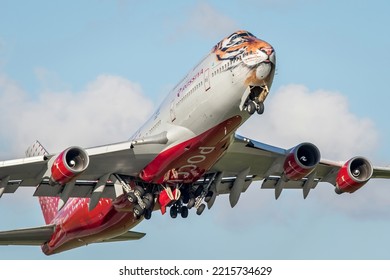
point(243, 45)
point(257, 56)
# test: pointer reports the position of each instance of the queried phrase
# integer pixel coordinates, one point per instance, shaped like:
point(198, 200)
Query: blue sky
point(90, 73)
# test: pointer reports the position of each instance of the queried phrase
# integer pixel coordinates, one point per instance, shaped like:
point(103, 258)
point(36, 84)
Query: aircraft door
point(172, 111)
point(207, 83)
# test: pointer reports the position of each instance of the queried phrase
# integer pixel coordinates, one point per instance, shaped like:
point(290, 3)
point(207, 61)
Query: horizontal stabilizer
point(27, 236)
point(130, 235)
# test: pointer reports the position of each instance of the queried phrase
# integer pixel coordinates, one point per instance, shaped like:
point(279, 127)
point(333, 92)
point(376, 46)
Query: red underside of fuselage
point(189, 160)
point(186, 162)
point(77, 226)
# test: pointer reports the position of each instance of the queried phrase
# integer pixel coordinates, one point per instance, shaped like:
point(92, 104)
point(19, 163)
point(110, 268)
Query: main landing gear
point(193, 196)
point(143, 202)
point(141, 199)
point(175, 209)
point(183, 209)
point(144, 197)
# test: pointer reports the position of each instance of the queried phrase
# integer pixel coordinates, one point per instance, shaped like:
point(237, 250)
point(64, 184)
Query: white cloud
point(108, 110)
point(293, 115)
point(206, 21)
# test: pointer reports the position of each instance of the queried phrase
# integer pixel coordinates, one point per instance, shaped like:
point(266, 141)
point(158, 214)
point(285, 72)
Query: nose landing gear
point(255, 99)
point(253, 107)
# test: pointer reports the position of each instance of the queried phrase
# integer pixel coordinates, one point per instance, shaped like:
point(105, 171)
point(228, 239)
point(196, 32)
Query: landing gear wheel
point(191, 203)
point(200, 209)
point(148, 200)
point(184, 212)
point(251, 107)
point(209, 195)
point(173, 212)
point(260, 108)
point(148, 214)
point(139, 191)
point(132, 198)
point(138, 211)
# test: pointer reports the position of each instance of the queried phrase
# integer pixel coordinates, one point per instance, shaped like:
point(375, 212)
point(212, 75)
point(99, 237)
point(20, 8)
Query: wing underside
point(265, 162)
point(128, 236)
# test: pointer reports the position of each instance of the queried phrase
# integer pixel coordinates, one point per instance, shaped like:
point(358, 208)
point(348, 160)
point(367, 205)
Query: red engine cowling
point(353, 175)
point(68, 164)
point(301, 160)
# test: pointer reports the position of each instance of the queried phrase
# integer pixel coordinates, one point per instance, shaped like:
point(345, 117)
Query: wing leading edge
point(34, 170)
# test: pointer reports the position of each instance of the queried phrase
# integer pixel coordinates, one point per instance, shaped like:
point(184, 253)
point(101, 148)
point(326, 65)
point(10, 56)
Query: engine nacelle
point(68, 164)
point(301, 160)
point(353, 175)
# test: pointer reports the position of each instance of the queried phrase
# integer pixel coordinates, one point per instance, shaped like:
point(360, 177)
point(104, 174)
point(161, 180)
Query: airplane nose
point(263, 70)
point(269, 51)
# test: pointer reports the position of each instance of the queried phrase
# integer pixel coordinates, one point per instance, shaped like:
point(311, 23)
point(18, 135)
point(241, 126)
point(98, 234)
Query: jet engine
point(301, 160)
point(353, 175)
point(68, 164)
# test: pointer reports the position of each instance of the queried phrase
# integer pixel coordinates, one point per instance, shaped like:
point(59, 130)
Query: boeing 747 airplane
point(183, 157)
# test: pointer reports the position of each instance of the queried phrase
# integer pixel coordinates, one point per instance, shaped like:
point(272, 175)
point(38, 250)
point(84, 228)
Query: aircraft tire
point(208, 196)
point(173, 212)
point(251, 107)
point(148, 214)
point(191, 203)
point(138, 211)
point(200, 209)
point(148, 200)
point(132, 198)
point(184, 212)
point(139, 190)
point(260, 108)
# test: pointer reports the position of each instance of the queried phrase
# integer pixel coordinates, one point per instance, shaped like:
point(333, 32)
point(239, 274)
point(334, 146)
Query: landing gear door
point(207, 84)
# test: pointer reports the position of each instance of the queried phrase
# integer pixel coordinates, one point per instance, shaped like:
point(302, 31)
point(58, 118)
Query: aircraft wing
point(36, 236)
point(120, 158)
point(28, 236)
point(130, 235)
point(249, 160)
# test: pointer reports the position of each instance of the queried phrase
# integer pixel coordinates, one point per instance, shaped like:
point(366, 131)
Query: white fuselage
point(212, 92)
point(204, 98)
